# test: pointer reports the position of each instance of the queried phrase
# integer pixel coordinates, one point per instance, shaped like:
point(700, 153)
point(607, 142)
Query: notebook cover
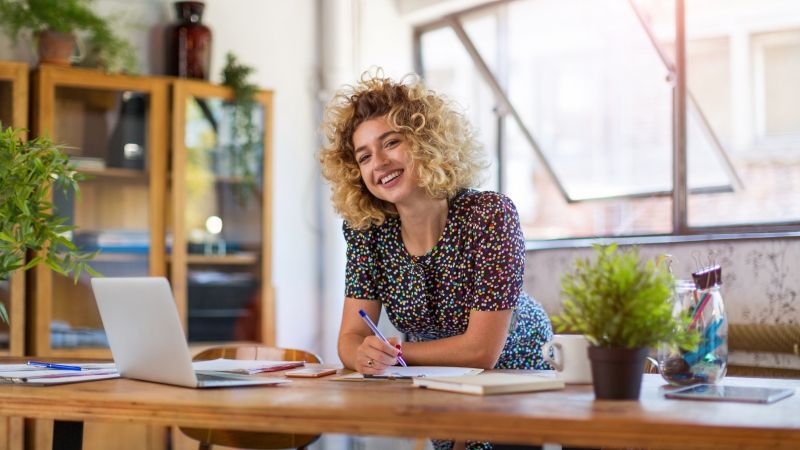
point(491, 383)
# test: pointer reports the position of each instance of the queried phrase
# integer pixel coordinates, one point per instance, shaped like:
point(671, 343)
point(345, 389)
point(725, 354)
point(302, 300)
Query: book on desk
point(491, 383)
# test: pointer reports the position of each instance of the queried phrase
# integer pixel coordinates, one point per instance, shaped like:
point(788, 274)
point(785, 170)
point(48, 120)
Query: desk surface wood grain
point(395, 408)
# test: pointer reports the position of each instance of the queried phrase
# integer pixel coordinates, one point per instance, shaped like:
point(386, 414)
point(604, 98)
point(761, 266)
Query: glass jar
point(188, 49)
point(709, 363)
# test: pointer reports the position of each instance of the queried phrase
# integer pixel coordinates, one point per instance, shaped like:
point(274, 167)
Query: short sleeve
point(498, 254)
point(361, 270)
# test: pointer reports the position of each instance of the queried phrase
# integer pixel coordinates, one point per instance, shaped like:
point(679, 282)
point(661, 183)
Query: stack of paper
point(36, 376)
point(246, 367)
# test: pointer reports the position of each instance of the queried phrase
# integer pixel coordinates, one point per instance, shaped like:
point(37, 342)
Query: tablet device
point(748, 394)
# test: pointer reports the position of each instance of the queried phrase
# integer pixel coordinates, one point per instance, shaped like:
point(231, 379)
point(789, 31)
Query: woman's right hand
point(374, 355)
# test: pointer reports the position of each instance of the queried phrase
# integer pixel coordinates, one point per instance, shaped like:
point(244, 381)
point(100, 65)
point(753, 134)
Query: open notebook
point(37, 376)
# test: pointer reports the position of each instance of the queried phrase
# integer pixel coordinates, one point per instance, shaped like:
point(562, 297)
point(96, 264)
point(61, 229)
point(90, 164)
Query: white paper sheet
point(244, 366)
point(413, 372)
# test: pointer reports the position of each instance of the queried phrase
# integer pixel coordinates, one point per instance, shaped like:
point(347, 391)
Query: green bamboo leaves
point(28, 172)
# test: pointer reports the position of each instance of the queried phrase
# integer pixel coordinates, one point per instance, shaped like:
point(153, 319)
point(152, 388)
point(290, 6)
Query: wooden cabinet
point(220, 233)
point(13, 113)
point(114, 128)
point(205, 222)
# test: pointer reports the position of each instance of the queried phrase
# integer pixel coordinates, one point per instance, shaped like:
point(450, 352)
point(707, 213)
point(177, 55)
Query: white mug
point(571, 357)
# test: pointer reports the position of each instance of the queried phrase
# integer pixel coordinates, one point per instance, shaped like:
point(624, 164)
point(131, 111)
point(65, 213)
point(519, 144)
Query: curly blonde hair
point(442, 142)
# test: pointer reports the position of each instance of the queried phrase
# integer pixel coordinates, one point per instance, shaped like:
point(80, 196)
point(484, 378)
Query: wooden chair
point(770, 338)
point(248, 439)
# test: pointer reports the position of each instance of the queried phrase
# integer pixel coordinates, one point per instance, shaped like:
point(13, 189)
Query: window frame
point(681, 100)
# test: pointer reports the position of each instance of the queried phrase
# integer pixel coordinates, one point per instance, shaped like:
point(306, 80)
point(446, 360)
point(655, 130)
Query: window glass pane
point(743, 60)
point(593, 92)
point(545, 214)
point(448, 69)
point(776, 63)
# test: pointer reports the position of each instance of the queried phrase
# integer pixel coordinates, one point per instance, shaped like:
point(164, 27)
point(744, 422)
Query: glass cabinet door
point(13, 113)
point(112, 127)
point(220, 230)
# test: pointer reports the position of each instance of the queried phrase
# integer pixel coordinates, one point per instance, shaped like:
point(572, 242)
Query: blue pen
point(53, 366)
point(377, 332)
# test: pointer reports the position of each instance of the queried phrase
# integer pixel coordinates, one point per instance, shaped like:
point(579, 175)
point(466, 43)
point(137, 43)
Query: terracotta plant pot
point(617, 372)
point(55, 47)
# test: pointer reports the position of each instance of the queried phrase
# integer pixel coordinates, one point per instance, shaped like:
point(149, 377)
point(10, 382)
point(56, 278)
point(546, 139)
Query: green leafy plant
point(29, 17)
point(28, 171)
point(245, 135)
point(618, 300)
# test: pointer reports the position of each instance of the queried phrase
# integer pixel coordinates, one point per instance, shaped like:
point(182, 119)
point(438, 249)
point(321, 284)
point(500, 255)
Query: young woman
point(445, 261)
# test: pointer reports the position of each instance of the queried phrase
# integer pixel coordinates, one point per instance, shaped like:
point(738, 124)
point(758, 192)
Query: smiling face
point(384, 159)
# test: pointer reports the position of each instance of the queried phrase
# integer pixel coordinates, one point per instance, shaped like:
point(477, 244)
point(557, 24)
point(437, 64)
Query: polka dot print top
point(476, 265)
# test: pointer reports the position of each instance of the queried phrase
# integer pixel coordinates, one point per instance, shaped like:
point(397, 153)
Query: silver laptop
point(146, 336)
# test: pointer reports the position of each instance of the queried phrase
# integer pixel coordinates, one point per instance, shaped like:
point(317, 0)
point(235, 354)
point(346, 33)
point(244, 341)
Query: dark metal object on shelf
point(127, 145)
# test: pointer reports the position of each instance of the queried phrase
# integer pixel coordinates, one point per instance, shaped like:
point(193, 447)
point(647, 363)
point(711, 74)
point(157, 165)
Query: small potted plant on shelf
point(55, 25)
point(245, 136)
point(624, 307)
point(28, 172)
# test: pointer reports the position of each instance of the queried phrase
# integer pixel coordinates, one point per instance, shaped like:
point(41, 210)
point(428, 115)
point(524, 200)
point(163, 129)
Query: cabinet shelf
point(114, 172)
point(242, 259)
point(232, 180)
point(120, 257)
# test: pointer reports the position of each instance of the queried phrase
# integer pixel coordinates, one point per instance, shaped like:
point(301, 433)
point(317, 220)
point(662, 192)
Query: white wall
point(278, 38)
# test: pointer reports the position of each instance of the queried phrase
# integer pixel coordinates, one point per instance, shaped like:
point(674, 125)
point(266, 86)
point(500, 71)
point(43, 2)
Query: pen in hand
point(53, 366)
point(377, 332)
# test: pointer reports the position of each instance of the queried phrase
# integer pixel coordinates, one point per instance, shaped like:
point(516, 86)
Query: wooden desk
point(569, 417)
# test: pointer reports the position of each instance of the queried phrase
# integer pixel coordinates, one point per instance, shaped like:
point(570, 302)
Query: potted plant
point(53, 24)
point(28, 171)
point(624, 307)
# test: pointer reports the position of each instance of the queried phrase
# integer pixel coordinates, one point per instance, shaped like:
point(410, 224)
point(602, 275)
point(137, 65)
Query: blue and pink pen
point(377, 332)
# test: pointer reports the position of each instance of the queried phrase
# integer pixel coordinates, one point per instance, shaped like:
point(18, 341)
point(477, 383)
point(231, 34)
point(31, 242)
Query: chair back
point(249, 439)
point(245, 352)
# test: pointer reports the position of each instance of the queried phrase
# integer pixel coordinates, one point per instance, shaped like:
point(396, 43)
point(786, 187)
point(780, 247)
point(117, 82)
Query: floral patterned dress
point(477, 264)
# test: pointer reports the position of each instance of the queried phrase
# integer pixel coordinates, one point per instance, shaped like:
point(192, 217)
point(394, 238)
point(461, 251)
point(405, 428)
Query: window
point(585, 147)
